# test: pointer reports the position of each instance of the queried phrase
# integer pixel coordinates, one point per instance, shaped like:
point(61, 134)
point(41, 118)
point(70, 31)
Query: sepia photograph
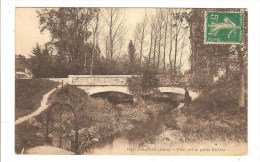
point(131, 81)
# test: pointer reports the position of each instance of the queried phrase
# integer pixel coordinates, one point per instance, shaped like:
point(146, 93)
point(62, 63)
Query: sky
point(27, 32)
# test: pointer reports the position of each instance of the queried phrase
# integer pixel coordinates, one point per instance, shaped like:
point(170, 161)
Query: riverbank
point(213, 124)
point(177, 135)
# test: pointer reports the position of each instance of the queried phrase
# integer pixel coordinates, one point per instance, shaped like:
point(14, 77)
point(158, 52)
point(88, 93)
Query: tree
point(165, 40)
point(114, 36)
point(40, 62)
point(144, 84)
point(181, 61)
point(140, 35)
point(132, 58)
point(151, 42)
point(70, 32)
point(179, 25)
point(155, 33)
point(203, 58)
point(160, 20)
point(131, 52)
point(171, 40)
point(94, 42)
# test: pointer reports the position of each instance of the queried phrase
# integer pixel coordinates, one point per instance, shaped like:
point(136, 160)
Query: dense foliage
point(215, 114)
point(145, 83)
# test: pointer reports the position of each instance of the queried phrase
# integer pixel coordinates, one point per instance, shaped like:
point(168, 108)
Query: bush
point(144, 84)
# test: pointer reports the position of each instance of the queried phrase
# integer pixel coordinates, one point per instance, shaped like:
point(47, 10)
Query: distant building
point(22, 70)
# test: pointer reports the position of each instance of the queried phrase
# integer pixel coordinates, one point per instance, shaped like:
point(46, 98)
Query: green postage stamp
point(223, 27)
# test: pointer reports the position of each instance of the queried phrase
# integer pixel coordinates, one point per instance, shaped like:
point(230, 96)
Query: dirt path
point(44, 105)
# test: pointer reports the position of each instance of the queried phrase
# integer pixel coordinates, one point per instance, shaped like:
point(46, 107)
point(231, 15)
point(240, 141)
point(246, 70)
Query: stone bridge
point(118, 83)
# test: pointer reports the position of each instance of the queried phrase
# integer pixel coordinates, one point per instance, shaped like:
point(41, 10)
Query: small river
point(143, 133)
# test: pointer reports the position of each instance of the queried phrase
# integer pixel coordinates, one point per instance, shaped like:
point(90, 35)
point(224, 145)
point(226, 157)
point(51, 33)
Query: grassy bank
point(28, 94)
point(215, 114)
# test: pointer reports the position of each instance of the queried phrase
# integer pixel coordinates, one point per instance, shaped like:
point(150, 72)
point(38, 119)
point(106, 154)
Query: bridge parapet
point(99, 80)
point(119, 80)
point(178, 81)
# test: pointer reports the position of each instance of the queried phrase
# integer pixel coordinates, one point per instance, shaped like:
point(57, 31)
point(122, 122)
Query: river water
point(136, 137)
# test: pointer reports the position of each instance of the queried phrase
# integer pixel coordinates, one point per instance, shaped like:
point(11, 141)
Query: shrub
point(144, 84)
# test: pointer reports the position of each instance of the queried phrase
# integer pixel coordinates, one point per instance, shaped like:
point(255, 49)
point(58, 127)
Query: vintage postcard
point(131, 81)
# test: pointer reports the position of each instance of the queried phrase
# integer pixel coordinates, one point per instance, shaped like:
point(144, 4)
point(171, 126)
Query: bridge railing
point(99, 80)
point(121, 80)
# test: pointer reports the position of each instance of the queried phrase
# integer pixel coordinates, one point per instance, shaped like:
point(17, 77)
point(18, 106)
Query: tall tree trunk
point(175, 51)
point(107, 49)
point(165, 39)
point(150, 51)
point(110, 35)
point(160, 37)
point(242, 103)
point(180, 63)
point(191, 49)
point(85, 58)
point(141, 48)
point(170, 53)
point(242, 91)
point(154, 50)
point(85, 54)
point(94, 45)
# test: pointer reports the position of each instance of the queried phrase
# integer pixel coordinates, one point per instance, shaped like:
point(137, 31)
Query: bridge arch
point(98, 89)
point(124, 89)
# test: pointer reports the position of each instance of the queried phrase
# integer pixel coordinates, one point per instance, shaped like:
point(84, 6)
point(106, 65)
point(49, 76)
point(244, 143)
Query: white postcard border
point(7, 75)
